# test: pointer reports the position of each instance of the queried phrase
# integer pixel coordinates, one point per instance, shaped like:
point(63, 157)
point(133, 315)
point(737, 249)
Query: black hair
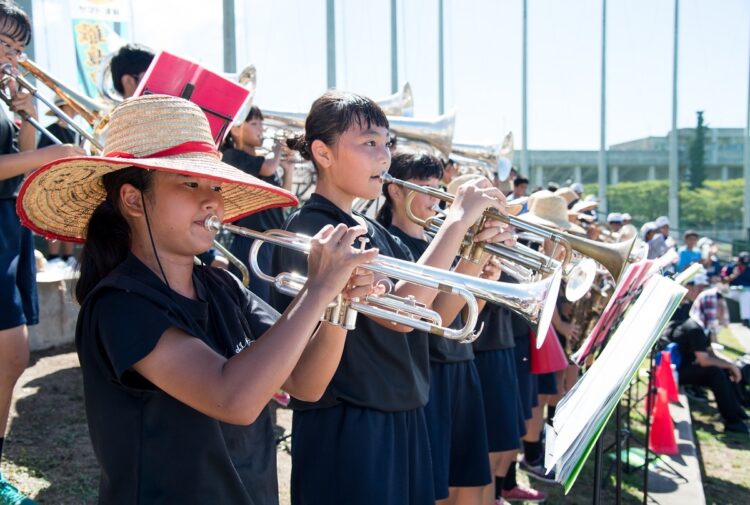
point(130, 59)
point(108, 233)
point(552, 186)
point(253, 113)
point(520, 180)
point(405, 166)
point(331, 115)
point(14, 22)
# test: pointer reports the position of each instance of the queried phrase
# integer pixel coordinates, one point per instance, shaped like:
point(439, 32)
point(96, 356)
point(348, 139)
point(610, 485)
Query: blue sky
point(285, 39)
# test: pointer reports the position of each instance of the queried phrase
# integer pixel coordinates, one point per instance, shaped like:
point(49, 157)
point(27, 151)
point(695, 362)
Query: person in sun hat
point(550, 210)
point(570, 196)
point(179, 361)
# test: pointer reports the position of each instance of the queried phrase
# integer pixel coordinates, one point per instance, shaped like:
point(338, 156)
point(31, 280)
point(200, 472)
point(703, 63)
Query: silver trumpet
point(342, 312)
point(535, 302)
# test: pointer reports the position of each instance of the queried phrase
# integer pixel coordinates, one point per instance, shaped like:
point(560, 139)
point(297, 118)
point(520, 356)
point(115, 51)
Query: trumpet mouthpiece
point(212, 223)
point(385, 177)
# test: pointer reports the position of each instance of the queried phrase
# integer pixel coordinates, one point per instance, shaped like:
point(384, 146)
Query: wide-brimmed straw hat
point(584, 205)
point(155, 132)
point(549, 209)
point(568, 194)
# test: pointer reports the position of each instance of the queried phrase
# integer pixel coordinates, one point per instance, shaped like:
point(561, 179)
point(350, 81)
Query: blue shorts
point(455, 422)
point(18, 295)
point(523, 372)
point(547, 383)
point(347, 454)
point(502, 406)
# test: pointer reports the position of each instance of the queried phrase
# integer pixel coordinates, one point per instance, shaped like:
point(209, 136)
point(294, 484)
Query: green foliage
point(717, 205)
point(697, 154)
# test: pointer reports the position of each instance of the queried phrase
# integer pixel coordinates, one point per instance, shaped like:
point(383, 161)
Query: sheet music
point(583, 412)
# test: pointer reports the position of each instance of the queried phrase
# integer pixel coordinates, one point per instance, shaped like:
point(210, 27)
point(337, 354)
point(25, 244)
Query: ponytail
point(108, 233)
point(385, 214)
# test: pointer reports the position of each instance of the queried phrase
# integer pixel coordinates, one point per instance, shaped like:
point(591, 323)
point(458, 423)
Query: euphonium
point(401, 103)
point(493, 160)
point(535, 302)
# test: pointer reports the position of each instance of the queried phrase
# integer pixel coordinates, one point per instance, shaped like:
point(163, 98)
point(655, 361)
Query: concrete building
point(641, 159)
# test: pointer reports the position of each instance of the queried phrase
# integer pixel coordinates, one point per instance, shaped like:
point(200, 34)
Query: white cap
point(647, 227)
point(700, 280)
point(661, 221)
point(626, 217)
point(577, 187)
point(614, 217)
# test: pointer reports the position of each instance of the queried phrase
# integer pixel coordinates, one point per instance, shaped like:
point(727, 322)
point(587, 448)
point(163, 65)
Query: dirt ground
point(47, 452)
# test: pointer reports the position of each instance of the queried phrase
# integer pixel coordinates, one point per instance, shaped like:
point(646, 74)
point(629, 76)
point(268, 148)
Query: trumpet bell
point(579, 279)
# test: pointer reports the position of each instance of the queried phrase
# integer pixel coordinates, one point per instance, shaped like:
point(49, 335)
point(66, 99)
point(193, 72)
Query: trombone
point(613, 257)
point(535, 302)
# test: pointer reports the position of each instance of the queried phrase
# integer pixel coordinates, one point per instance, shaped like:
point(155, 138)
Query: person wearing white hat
point(614, 221)
point(150, 319)
point(578, 188)
point(626, 218)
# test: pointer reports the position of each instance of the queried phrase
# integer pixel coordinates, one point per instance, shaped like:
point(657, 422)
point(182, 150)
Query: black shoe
point(696, 394)
point(536, 471)
point(738, 427)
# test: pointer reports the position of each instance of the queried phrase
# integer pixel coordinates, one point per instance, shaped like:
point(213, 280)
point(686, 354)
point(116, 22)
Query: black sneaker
point(738, 427)
point(697, 394)
point(537, 471)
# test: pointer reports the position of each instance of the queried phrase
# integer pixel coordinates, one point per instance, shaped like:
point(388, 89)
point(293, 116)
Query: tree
point(697, 154)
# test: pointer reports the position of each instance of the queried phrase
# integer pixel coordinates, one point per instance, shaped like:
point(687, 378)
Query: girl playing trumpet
point(179, 361)
point(365, 441)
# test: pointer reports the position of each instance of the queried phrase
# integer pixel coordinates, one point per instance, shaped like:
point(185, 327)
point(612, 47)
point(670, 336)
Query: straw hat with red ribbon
point(153, 132)
point(549, 209)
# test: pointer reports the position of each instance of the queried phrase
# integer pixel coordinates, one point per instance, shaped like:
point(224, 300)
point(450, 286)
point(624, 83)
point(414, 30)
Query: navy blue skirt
point(502, 407)
point(546, 384)
point(347, 454)
point(455, 422)
point(526, 393)
point(18, 295)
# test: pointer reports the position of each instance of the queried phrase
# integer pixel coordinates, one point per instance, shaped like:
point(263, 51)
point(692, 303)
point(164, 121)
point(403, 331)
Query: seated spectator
point(738, 279)
point(701, 366)
point(626, 218)
point(614, 221)
point(710, 310)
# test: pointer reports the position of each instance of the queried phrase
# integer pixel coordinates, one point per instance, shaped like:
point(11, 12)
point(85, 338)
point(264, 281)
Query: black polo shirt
point(63, 133)
point(442, 350)
point(498, 328)
point(266, 219)
point(151, 447)
point(380, 368)
point(690, 338)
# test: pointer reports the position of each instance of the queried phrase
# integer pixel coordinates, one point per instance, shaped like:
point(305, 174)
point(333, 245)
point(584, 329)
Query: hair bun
point(299, 144)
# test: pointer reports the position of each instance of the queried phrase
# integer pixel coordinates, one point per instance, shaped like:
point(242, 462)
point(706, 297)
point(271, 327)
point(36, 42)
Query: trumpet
point(535, 302)
point(613, 257)
point(521, 262)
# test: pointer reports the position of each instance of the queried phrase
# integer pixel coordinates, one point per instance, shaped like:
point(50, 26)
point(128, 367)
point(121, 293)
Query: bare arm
point(271, 165)
point(235, 390)
point(706, 359)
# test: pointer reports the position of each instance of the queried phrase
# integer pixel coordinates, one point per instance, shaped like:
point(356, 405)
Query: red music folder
point(221, 99)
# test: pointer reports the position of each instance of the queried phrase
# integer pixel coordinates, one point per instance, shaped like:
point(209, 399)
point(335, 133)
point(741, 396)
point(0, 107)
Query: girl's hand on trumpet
point(333, 259)
point(473, 198)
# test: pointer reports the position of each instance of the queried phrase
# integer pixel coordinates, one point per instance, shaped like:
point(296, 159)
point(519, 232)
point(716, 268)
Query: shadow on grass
point(50, 440)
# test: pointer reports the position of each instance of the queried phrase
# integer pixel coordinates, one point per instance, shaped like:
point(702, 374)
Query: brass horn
point(613, 257)
point(436, 132)
point(495, 160)
point(401, 103)
point(8, 73)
